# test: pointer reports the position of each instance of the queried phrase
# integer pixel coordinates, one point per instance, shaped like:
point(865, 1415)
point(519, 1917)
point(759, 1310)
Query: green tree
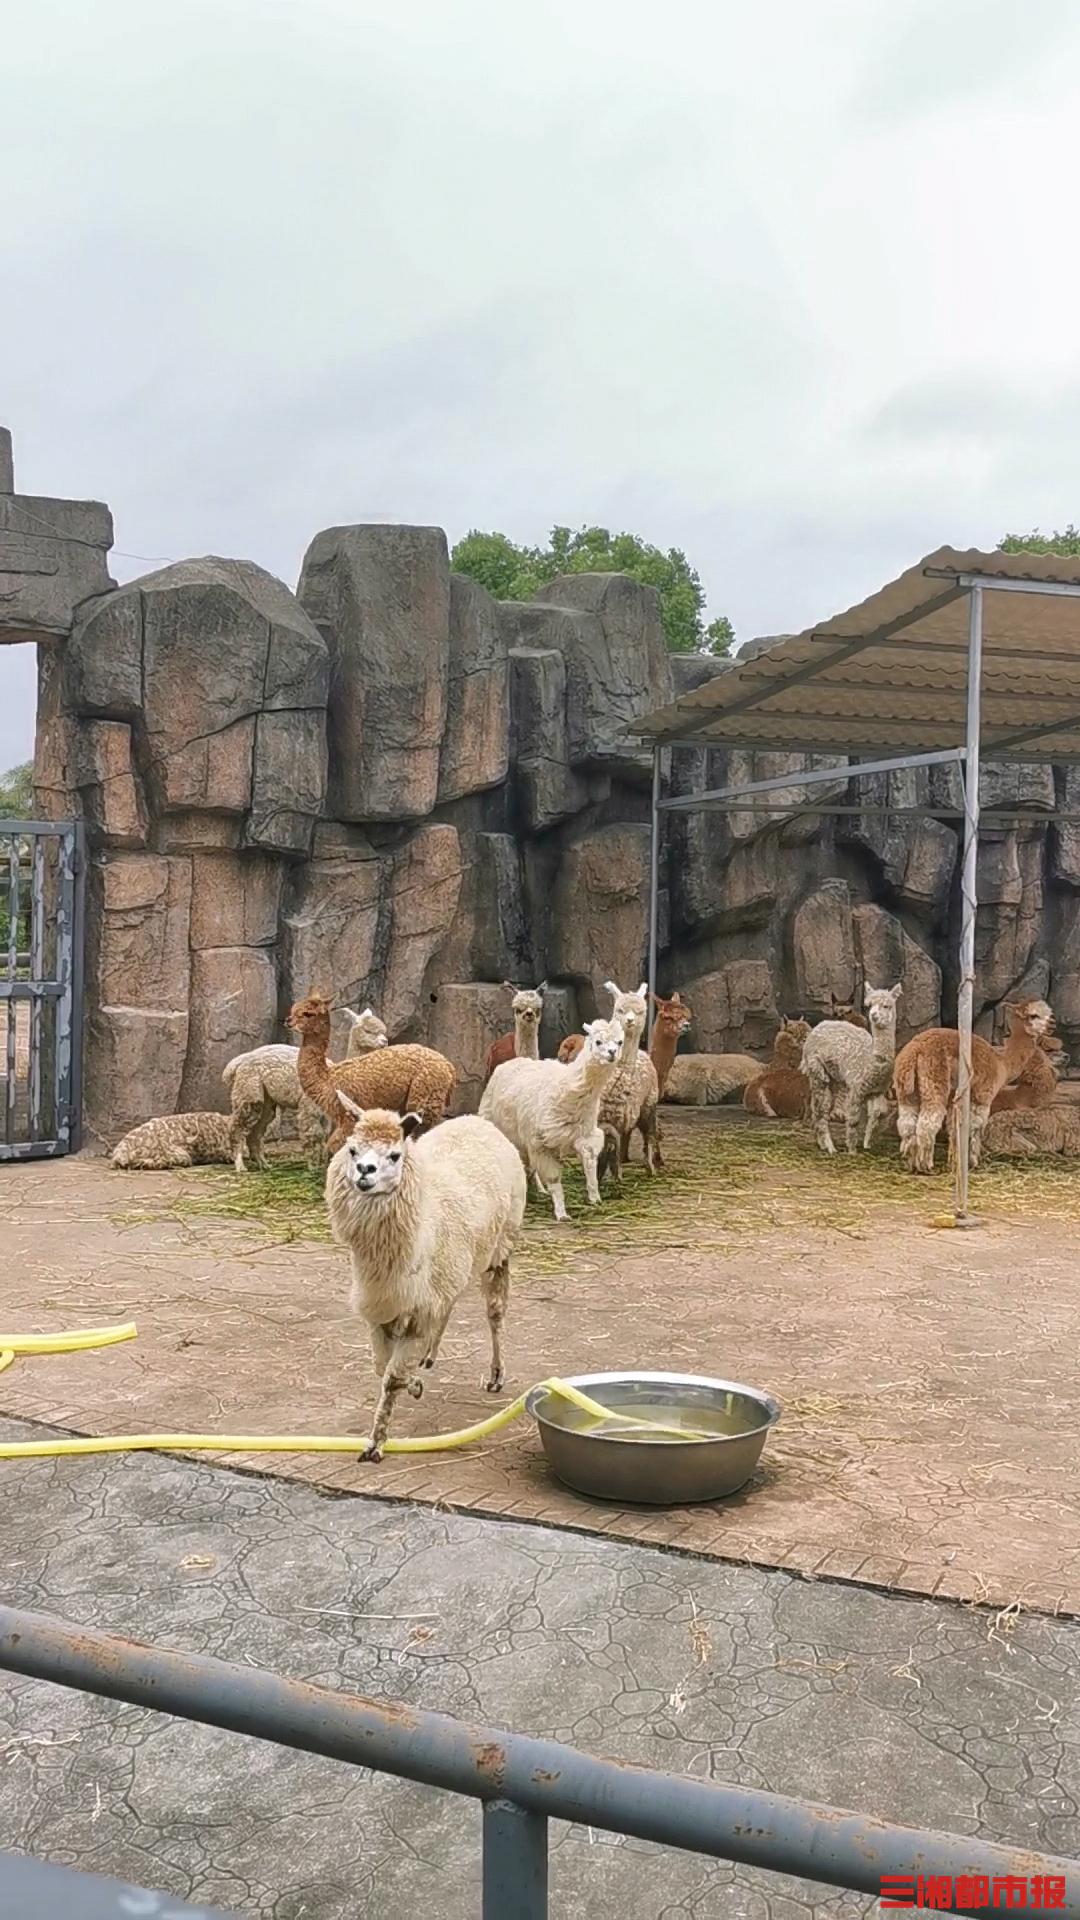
point(1067, 541)
point(17, 792)
point(511, 572)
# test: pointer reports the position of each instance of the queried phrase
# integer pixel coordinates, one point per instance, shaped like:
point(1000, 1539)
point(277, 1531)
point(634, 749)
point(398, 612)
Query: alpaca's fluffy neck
point(313, 1071)
point(1017, 1050)
point(662, 1048)
point(630, 1047)
point(383, 1231)
point(526, 1039)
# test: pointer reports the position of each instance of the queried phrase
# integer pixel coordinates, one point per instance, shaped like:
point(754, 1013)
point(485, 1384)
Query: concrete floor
point(913, 1709)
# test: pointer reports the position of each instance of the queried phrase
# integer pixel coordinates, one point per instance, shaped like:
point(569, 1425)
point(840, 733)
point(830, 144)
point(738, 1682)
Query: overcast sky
point(793, 287)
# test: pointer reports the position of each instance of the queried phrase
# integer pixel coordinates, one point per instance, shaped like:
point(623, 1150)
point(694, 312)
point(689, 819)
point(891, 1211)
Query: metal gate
point(41, 875)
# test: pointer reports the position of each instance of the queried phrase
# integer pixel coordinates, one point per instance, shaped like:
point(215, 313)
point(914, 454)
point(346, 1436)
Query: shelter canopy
point(890, 675)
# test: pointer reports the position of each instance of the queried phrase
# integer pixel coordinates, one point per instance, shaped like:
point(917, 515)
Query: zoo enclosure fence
point(964, 656)
point(522, 1782)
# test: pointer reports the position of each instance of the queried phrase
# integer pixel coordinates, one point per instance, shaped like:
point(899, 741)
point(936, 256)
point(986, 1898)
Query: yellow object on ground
point(13, 1344)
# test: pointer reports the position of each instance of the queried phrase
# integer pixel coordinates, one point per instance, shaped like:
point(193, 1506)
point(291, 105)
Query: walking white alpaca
point(551, 1112)
point(421, 1219)
point(852, 1069)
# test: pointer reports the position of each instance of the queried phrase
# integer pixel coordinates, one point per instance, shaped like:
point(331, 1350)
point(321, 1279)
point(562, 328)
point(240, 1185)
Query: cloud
point(788, 287)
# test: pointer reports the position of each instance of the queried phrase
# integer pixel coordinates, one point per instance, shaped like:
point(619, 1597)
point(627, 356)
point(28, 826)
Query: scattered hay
point(722, 1183)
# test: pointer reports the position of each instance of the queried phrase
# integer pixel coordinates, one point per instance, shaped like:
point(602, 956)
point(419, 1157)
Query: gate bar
point(769, 1830)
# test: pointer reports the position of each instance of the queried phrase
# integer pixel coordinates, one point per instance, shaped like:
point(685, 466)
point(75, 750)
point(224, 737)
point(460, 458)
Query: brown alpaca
point(843, 1010)
point(571, 1047)
point(1037, 1085)
point(673, 1019)
point(402, 1079)
point(782, 1092)
point(925, 1077)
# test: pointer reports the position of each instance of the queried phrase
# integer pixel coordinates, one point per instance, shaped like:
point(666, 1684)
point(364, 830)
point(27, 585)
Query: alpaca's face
point(604, 1040)
point(881, 1007)
point(375, 1152)
point(369, 1030)
point(675, 1015)
point(310, 1016)
point(528, 1007)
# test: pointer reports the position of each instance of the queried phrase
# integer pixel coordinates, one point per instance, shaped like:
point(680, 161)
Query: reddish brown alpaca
point(673, 1019)
point(403, 1079)
point(926, 1071)
point(782, 1092)
point(571, 1047)
point(1037, 1084)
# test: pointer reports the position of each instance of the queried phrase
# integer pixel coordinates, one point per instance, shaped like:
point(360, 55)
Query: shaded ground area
point(915, 1710)
point(931, 1438)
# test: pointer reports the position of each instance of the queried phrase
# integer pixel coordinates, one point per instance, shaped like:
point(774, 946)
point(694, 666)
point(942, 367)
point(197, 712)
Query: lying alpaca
point(177, 1140)
point(704, 1079)
point(551, 1112)
point(422, 1218)
point(927, 1070)
point(1053, 1129)
point(782, 1092)
point(846, 1066)
point(1037, 1084)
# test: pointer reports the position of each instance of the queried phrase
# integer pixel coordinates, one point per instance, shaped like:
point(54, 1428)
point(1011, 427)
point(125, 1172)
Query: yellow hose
point(79, 1342)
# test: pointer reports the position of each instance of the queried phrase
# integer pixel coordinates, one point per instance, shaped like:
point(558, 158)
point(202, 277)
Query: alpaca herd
point(427, 1206)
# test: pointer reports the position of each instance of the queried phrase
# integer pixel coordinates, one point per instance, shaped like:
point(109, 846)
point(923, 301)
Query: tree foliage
point(511, 572)
point(1066, 541)
point(17, 792)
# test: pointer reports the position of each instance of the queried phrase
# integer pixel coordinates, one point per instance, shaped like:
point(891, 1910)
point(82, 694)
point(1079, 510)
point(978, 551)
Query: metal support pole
point(654, 888)
point(515, 1863)
point(968, 901)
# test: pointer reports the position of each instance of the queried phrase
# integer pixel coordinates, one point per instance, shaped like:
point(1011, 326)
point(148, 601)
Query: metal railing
point(522, 1783)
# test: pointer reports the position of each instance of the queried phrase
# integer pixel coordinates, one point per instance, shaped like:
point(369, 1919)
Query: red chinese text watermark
point(957, 1893)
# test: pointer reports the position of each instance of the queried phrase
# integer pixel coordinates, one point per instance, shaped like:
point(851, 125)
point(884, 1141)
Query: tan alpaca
point(1037, 1085)
point(926, 1072)
point(1053, 1129)
point(403, 1079)
point(782, 1092)
point(673, 1019)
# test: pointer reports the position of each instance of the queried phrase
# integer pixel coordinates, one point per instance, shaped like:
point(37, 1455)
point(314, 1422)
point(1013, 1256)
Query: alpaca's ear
point(610, 987)
point(350, 1106)
point(510, 987)
point(354, 1019)
point(678, 999)
point(411, 1124)
point(542, 988)
point(643, 990)
point(897, 991)
point(588, 1027)
point(366, 1015)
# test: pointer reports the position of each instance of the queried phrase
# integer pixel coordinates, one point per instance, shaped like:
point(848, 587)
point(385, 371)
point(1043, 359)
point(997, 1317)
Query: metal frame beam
point(813, 776)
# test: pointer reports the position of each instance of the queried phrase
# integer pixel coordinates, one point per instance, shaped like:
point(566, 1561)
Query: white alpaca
point(264, 1084)
point(852, 1069)
point(551, 1111)
point(421, 1219)
point(632, 1098)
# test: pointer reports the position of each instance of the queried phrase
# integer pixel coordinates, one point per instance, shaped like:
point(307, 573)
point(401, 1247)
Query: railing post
point(515, 1863)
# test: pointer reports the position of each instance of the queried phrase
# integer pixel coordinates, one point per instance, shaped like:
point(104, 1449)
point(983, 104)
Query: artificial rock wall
point(390, 786)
